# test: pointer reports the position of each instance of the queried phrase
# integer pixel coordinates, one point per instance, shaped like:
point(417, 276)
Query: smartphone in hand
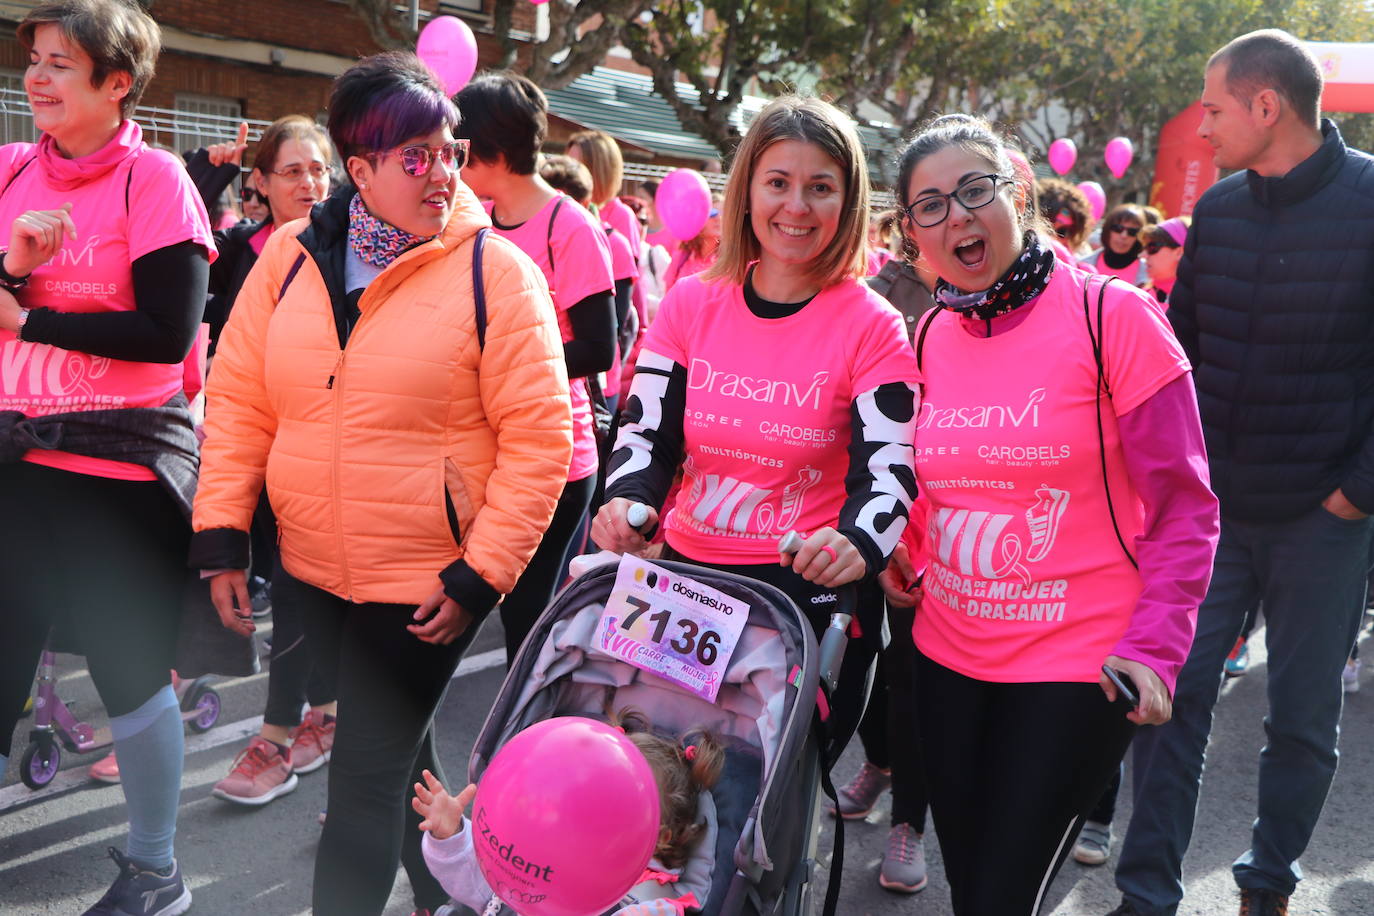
point(1125, 687)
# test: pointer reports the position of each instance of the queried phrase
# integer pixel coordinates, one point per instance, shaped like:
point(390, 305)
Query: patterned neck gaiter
point(376, 242)
point(1027, 278)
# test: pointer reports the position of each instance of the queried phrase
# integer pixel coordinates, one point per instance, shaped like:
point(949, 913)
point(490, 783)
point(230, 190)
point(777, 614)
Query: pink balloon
point(449, 48)
point(1063, 154)
point(565, 819)
point(1118, 155)
point(1096, 196)
point(683, 201)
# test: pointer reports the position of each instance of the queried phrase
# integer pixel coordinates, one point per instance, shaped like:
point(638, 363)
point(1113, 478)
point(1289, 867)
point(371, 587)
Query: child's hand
point(442, 813)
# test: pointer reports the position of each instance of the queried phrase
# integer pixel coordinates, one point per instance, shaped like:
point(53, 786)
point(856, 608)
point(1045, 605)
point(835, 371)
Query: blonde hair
point(808, 120)
point(682, 768)
point(601, 156)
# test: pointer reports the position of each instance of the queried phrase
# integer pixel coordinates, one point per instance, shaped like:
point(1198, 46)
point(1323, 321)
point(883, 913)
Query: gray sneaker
point(860, 794)
point(904, 865)
point(1094, 844)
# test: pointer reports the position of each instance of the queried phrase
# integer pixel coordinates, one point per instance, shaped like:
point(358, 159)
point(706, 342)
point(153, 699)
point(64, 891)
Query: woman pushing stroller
point(782, 385)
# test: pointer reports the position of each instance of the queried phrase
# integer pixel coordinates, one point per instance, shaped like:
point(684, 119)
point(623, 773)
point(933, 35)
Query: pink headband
point(1177, 229)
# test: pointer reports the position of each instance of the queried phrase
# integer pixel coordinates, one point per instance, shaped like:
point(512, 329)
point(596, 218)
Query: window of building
point(205, 119)
point(464, 6)
point(16, 121)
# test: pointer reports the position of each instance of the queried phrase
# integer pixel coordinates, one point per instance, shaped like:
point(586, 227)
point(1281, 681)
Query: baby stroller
point(767, 801)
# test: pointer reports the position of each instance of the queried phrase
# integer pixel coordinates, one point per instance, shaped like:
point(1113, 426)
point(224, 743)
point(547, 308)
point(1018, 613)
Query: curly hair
point(682, 767)
point(1065, 208)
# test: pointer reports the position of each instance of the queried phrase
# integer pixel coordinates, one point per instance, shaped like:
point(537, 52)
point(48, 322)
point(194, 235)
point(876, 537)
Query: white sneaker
point(1094, 844)
point(1350, 677)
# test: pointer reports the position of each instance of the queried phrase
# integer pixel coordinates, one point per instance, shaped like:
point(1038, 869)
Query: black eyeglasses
point(1132, 231)
point(977, 192)
point(250, 194)
point(1156, 247)
point(416, 161)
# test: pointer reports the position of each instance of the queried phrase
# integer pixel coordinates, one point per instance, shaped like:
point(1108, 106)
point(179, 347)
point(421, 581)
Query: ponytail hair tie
point(690, 753)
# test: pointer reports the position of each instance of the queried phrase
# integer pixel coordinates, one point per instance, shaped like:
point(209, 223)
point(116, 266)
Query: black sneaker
point(139, 892)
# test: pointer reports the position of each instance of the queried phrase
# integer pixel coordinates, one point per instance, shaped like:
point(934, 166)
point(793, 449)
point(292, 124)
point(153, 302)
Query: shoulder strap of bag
point(291, 275)
point(17, 172)
point(548, 241)
point(921, 337)
point(1097, 341)
point(479, 293)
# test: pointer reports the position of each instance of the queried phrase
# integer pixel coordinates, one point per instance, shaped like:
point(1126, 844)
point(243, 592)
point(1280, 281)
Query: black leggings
point(389, 685)
point(855, 680)
point(1012, 771)
point(534, 590)
point(292, 677)
point(102, 560)
point(886, 732)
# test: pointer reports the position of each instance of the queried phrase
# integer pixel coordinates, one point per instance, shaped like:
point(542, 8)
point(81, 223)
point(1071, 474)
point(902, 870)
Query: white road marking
point(75, 777)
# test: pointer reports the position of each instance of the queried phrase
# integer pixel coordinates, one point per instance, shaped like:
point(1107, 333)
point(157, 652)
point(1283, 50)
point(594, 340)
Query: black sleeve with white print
point(648, 448)
point(881, 483)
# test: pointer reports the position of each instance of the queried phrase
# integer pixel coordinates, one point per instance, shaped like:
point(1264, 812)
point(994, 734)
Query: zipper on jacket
point(338, 364)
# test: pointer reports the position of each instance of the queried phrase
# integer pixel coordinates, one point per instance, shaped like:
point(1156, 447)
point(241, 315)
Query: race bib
point(667, 624)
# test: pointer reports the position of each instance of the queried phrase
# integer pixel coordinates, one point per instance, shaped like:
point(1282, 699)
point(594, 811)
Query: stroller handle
point(835, 637)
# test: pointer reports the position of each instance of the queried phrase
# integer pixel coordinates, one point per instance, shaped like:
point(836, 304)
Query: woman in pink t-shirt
point(781, 385)
point(1071, 524)
point(101, 295)
point(505, 116)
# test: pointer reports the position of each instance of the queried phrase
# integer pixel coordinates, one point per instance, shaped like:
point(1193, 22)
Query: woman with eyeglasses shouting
point(1119, 255)
point(394, 373)
point(1071, 527)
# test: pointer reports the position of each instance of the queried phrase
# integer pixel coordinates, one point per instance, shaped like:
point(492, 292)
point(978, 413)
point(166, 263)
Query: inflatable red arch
point(1183, 165)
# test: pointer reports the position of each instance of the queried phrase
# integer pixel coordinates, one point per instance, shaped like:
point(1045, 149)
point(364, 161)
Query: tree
point(580, 36)
point(720, 47)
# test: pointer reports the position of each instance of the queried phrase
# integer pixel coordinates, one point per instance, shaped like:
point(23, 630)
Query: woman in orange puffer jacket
point(413, 453)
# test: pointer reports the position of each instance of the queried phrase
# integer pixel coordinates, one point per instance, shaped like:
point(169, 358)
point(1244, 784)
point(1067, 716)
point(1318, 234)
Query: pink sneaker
point(311, 742)
point(260, 773)
point(106, 769)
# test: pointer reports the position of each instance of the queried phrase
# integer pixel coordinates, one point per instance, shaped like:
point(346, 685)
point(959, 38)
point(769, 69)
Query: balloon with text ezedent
point(566, 818)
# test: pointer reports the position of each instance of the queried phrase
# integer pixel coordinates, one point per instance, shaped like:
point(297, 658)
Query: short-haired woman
point(505, 117)
point(101, 295)
point(1119, 255)
point(413, 443)
point(1071, 524)
point(1163, 250)
point(780, 383)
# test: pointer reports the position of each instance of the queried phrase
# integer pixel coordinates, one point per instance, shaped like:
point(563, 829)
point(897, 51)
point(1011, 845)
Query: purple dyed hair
point(384, 100)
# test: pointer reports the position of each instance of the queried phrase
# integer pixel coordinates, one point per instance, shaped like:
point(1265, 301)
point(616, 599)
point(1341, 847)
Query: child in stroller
point(678, 876)
point(764, 718)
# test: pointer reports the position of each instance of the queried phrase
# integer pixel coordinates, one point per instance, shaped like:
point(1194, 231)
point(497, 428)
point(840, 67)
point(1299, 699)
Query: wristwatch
point(19, 325)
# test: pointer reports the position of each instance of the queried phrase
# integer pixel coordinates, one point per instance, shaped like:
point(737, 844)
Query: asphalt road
point(248, 860)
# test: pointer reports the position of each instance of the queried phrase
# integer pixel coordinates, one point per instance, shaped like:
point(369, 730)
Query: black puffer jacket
point(1274, 305)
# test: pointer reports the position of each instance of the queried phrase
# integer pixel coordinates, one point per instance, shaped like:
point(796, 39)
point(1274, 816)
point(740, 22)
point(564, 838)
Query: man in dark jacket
point(1274, 305)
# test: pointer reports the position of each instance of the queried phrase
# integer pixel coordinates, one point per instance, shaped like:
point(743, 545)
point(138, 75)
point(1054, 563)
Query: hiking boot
point(1238, 662)
point(142, 892)
point(106, 769)
point(261, 772)
point(904, 864)
point(311, 742)
point(1256, 901)
point(860, 794)
point(1094, 844)
point(1126, 909)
